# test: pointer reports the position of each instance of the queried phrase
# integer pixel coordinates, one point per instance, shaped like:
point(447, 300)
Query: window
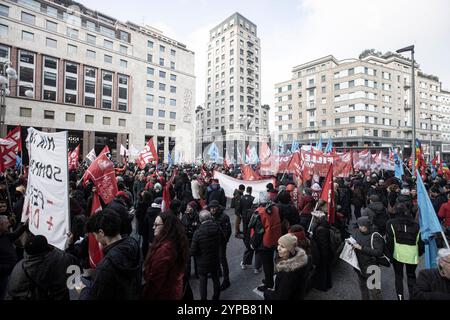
point(149, 112)
point(173, 77)
point(161, 126)
point(173, 89)
point(150, 44)
point(108, 59)
point(149, 125)
point(28, 18)
point(122, 122)
point(51, 43)
point(150, 84)
point(324, 89)
point(70, 117)
point(162, 100)
point(3, 30)
point(149, 98)
point(172, 127)
point(90, 54)
point(161, 62)
point(123, 63)
point(352, 132)
point(123, 92)
point(72, 33)
point(173, 115)
point(162, 74)
point(172, 65)
point(26, 72)
point(161, 114)
point(172, 52)
point(4, 10)
point(173, 102)
point(49, 79)
point(162, 48)
point(162, 87)
point(107, 89)
point(108, 44)
point(124, 36)
point(71, 50)
point(323, 78)
point(123, 49)
point(106, 121)
point(51, 26)
point(89, 118)
point(351, 71)
point(25, 112)
point(28, 36)
point(337, 121)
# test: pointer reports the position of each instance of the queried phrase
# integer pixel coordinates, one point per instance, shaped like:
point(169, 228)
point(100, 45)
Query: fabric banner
point(91, 155)
point(249, 174)
point(147, 155)
point(73, 158)
point(10, 147)
point(47, 198)
point(95, 248)
point(230, 184)
point(102, 174)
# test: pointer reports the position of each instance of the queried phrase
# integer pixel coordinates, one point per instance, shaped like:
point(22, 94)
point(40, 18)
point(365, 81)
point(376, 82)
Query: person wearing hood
point(223, 220)
point(288, 214)
point(266, 221)
point(166, 261)
point(42, 274)
point(404, 246)
point(148, 232)
point(368, 246)
point(117, 276)
point(321, 238)
point(292, 269)
point(216, 192)
point(190, 220)
point(377, 214)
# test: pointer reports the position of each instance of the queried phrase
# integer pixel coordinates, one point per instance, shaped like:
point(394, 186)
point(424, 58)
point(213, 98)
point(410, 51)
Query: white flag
point(91, 155)
point(47, 202)
point(124, 150)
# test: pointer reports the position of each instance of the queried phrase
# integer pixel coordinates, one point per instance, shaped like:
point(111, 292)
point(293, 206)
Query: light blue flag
point(329, 147)
point(213, 152)
point(319, 144)
point(169, 157)
point(398, 166)
point(18, 162)
point(294, 146)
point(429, 223)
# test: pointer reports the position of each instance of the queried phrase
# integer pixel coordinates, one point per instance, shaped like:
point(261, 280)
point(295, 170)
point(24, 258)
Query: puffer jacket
point(291, 279)
point(377, 213)
point(367, 256)
point(117, 274)
point(205, 246)
point(216, 192)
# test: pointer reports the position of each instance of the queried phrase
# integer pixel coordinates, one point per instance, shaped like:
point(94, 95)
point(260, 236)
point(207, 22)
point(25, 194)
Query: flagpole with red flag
point(95, 248)
point(328, 195)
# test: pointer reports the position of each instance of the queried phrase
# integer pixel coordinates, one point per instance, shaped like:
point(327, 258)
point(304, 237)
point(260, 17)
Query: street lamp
point(8, 73)
point(413, 105)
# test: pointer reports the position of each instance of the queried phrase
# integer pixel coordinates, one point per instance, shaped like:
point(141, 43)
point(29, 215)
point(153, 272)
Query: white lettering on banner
point(230, 184)
point(47, 198)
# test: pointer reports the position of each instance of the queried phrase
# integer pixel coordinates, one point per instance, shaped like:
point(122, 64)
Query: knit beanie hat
point(289, 241)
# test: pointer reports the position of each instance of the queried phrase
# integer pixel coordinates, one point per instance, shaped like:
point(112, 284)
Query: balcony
point(407, 107)
point(250, 59)
point(250, 68)
point(311, 107)
point(250, 85)
point(310, 86)
point(311, 129)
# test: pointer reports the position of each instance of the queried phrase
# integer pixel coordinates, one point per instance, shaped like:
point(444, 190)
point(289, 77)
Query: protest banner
point(46, 203)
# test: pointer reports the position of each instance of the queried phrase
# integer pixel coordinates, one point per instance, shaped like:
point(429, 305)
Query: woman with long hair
point(166, 262)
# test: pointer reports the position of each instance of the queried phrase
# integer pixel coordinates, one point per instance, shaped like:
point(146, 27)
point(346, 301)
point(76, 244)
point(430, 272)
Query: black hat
point(37, 245)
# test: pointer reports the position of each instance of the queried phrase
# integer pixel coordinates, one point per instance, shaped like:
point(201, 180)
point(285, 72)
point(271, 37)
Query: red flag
point(328, 195)
point(105, 151)
point(95, 248)
point(8, 153)
point(101, 172)
point(227, 160)
point(264, 153)
point(249, 174)
point(147, 155)
point(73, 158)
point(166, 193)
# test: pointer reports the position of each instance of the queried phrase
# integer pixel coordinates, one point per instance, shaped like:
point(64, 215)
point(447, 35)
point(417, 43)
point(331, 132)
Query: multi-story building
point(105, 81)
point(361, 102)
point(232, 114)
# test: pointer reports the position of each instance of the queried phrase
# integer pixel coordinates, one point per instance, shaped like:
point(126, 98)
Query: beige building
point(361, 102)
point(232, 114)
point(105, 81)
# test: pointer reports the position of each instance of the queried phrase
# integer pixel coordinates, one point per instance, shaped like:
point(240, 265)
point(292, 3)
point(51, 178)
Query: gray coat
point(367, 255)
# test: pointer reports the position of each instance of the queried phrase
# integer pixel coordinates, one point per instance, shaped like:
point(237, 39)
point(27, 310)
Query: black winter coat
point(291, 279)
point(223, 220)
point(118, 274)
point(378, 216)
point(205, 246)
point(288, 212)
point(125, 217)
point(216, 192)
point(191, 224)
point(430, 285)
point(245, 207)
point(8, 255)
point(407, 200)
point(321, 238)
point(367, 256)
point(345, 201)
point(406, 231)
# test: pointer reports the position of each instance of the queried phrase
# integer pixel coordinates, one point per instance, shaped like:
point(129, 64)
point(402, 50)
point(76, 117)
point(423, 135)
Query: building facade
point(105, 81)
point(361, 102)
point(232, 114)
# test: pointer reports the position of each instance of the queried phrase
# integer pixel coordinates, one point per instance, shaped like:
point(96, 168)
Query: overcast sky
point(296, 31)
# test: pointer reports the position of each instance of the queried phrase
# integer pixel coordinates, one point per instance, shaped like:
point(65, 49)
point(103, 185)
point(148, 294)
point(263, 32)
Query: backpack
point(257, 231)
point(383, 260)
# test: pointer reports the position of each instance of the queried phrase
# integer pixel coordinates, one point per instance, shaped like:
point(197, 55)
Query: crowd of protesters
point(155, 254)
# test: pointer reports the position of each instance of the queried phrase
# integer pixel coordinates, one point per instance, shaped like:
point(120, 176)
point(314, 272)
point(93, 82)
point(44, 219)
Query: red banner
point(9, 152)
point(328, 195)
point(73, 158)
point(101, 172)
point(95, 248)
point(249, 174)
point(147, 155)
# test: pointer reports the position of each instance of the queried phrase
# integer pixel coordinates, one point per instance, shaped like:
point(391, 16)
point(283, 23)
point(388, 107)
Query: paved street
point(244, 282)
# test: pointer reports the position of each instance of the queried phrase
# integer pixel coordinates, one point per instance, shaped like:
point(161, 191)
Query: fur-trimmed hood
point(292, 264)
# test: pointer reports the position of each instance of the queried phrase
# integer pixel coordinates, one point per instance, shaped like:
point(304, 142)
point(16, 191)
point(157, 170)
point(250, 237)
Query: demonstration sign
point(46, 204)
